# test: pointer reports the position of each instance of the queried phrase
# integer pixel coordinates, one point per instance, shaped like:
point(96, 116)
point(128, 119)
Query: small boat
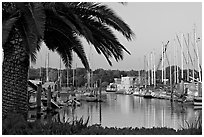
point(162, 95)
point(73, 103)
point(136, 93)
point(120, 91)
point(197, 101)
point(111, 88)
point(91, 98)
point(128, 92)
point(148, 94)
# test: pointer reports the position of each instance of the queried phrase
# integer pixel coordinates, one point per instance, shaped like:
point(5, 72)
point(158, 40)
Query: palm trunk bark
point(14, 76)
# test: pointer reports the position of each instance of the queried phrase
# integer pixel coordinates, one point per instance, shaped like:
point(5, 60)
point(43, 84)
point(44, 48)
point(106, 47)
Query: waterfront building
point(126, 83)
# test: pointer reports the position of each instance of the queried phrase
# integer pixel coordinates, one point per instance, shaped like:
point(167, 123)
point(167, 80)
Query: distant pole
point(49, 98)
point(38, 100)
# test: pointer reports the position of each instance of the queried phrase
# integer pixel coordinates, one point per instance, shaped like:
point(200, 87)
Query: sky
point(153, 23)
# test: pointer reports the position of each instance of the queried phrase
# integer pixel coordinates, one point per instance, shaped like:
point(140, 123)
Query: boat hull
point(198, 101)
point(110, 90)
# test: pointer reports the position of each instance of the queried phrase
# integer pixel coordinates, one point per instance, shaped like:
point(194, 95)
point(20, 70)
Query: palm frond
point(66, 41)
point(93, 22)
point(69, 14)
point(105, 40)
point(33, 24)
point(79, 50)
point(57, 42)
point(103, 14)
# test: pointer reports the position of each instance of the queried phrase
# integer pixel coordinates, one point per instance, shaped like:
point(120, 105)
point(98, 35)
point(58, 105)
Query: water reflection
point(133, 111)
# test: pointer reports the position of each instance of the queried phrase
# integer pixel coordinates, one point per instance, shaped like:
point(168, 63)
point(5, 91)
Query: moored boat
point(91, 98)
point(198, 101)
point(148, 94)
point(111, 88)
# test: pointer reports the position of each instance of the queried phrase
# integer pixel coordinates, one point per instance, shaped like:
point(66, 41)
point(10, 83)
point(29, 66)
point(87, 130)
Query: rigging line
point(166, 55)
point(188, 49)
point(196, 54)
point(160, 60)
point(180, 47)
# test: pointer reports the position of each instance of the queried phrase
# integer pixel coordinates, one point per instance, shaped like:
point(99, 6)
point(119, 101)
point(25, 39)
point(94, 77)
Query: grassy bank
point(16, 125)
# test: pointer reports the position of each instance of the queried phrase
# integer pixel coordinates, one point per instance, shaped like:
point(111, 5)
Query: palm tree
point(60, 26)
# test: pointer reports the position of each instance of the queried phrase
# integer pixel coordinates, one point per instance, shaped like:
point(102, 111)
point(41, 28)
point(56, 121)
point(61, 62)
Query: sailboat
point(148, 93)
point(198, 99)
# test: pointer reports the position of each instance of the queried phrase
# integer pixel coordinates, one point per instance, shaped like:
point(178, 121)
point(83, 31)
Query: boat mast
point(148, 73)
point(76, 76)
point(60, 80)
point(162, 64)
point(154, 70)
point(164, 57)
point(182, 57)
point(170, 80)
point(145, 71)
point(198, 61)
point(194, 39)
point(73, 77)
point(139, 75)
point(177, 74)
point(47, 75)
point(174, 59)
point(188, 56)
point(68, 74)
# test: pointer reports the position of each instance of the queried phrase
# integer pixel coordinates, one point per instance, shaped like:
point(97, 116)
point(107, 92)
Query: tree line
point(106, 76)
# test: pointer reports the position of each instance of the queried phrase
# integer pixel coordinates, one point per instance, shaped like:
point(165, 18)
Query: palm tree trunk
point(14, 76)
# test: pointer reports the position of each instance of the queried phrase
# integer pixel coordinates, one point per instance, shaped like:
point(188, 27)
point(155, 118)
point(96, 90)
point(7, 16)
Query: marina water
point(133, 111)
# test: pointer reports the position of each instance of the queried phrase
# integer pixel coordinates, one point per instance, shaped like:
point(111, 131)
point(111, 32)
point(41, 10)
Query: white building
point(126, 83)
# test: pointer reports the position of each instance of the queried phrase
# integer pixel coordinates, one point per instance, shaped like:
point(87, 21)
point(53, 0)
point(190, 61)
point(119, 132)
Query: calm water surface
point(132, 111)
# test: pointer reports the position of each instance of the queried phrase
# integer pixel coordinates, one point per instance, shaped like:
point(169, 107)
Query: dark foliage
point(15, 124)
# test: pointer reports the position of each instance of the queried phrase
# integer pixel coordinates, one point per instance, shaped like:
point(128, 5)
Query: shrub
point(15, 124)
